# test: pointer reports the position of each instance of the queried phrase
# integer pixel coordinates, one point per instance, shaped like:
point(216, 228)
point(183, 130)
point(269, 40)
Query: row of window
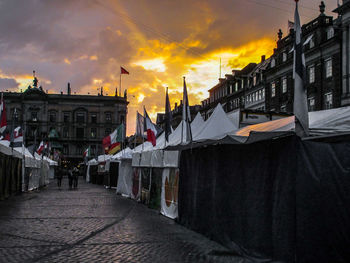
point(255, 96)
point(327, 104)
point(79, 117)
point(310, 42)
point(311, 73)
point(95, 150)
point(328, 68)
point(80, 132)
point(234, 87)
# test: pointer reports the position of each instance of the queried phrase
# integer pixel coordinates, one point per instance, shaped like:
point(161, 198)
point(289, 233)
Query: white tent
point(320, 123)
point(5, 147)
point(216, 127)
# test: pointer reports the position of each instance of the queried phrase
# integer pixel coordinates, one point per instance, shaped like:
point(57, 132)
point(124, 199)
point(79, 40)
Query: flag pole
point(120, 84)
point(143, 130)
point(137, 119)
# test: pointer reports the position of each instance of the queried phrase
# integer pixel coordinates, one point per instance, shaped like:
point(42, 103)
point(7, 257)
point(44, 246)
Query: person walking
point(59, 177)
point(70, 178)
point(75, 177)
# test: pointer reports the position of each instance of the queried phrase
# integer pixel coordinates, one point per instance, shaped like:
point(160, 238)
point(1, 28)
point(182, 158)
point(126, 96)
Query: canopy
point(322, 122)
point(217, 126)
point(5, 147)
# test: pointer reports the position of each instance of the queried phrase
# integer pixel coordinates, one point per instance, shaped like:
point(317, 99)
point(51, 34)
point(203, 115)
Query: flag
point(40, 148)
point(3, 120)
point(168, 116)
point(139, 125)
point(186, 117)
point(299, 74)
point(87, 152)
point(290, 25)
point(112, 143)
point(17, 135)
point(123, 71)
point(6, 137)
point(150, 128)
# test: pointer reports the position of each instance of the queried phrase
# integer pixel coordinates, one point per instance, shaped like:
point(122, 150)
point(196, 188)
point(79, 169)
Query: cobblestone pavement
point(93, 224)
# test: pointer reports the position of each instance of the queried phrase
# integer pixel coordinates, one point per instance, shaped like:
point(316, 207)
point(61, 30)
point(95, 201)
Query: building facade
point(269, 86)
point(71, 123)
point(322, 49)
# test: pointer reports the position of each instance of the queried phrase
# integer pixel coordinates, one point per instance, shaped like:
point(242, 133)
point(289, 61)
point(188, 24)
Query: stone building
point(243, 89)
point(268, 87)
point(344, 37)
point(322, 49)
point(70, 122)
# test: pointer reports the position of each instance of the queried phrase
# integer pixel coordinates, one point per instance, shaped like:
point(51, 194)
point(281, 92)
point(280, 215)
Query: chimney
point(175, 105)
point(101, 91)
point(68, 89)
point(263, 58)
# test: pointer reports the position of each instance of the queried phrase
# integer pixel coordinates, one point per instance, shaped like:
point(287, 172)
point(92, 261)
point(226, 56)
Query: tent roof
point(217, 126)
point(320, 122)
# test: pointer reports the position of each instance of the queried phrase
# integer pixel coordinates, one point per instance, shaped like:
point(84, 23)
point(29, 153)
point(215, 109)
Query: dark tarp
point(156, 188)
point(10, 176)
point(93, 174)
point(283, 198)
point(145, 185)
point(113, 173)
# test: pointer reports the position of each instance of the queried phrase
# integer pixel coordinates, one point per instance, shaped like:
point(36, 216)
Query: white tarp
point(30, 161)
point(5, 147)
point(171, 159)
point(93, 162)
point(136, 159)
point(124, 186)
point(234, 117)
point(320, 122)
point(154, 156)
point(103, 158)
point(169, 196)
point(157, 158)
point(197, 125)
point(217, 126)
point(146, 159)
point(51, 162)
point(124, 154)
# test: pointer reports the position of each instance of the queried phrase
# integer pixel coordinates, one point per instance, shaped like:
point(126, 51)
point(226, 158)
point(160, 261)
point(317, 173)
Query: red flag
point(151, 129)
point(40, 148)
point(123, 71)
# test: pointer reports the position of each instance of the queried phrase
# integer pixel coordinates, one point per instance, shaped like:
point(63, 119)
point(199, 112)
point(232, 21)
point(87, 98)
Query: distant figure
point(75, 177)
point(70, 178)
point(59, 177)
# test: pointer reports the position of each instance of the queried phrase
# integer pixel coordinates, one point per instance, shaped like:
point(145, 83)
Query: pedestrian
point(59, 177)
point(75, 177)
point(70, 178)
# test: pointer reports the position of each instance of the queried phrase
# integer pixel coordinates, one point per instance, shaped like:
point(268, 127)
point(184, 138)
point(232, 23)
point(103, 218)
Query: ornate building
point(69, 122)
point(267, 88)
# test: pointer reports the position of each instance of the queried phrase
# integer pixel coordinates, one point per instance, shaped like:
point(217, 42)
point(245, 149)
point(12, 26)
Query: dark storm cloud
point(8, 84)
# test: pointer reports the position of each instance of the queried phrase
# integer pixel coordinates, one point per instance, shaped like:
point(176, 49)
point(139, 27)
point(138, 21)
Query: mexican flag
point(40, 148)
point(87, 152)
point(112, 143)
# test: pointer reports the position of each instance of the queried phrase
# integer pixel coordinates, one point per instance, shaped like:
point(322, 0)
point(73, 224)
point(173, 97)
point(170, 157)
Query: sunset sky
point(85, 42)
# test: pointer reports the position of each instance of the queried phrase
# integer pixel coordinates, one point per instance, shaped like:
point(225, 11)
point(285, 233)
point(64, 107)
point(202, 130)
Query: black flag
point(168, 117)
point(299, 74)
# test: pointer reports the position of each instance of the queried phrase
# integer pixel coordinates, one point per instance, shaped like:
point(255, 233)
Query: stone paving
point(93, 224)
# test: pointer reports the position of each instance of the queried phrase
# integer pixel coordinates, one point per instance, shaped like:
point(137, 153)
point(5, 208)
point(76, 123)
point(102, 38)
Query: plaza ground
point(94, 224)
